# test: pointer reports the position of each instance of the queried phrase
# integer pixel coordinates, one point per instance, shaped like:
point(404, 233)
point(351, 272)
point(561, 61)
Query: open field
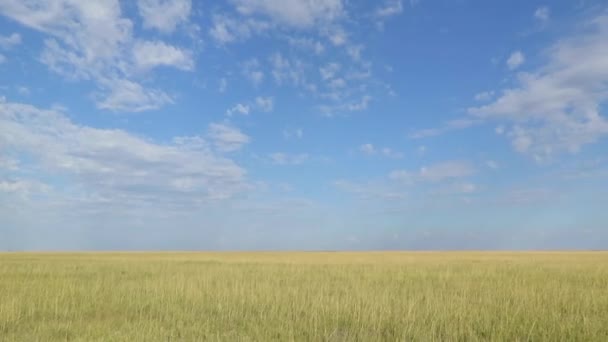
point(304, 296)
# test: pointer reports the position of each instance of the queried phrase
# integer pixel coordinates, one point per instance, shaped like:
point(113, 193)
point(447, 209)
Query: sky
point(303, 125)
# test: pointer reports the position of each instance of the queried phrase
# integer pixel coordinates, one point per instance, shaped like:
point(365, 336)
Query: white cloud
point(516, 59)
point(23, 187)
point(370, 190)
point(280, 158)
point(542, 13)
point(252, 71)
point(124, 95)
point(92, 41)
point(484, 96)
point(390, 8)
point(91, 34)
point(367, 149)
point(256, 77)
point(296, 133)
point(338, 37)
point(287, 71)
point(227, 29)
point(2, 58)
point(446, 178)
point(307, 44)
point(348, 106)
point(354, 51)
point(466, 188)
point(329, 70)
point(434, 173)
point(23, 90)
point(337, 83)
point(265, 104)
point(389, 153)
point(557, 108)
point(492, 164)
point(239, 109)
point(370, 150)
point(421, 150)
point(150, 54)
point(8, 163)
point(164, 15)
point(293, 13)
point(223, 85)
point(360, 105)
point(448, 126)
point(458, 188)
point(112, 165)
point(527, 196)
point(7, 42)
point(227, 138)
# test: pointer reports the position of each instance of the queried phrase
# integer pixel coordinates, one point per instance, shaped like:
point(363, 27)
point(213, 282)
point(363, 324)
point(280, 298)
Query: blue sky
point(303, 124)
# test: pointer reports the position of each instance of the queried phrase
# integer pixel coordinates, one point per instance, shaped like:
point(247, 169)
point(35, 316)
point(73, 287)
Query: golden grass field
point(294, 296)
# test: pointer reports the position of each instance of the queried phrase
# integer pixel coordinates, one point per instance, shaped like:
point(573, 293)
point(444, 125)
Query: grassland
point(370, 296)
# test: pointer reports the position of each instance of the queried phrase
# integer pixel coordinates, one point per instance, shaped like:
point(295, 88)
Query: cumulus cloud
point(557, 107)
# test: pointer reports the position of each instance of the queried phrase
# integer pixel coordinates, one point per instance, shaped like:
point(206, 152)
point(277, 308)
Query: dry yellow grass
point(368, 296)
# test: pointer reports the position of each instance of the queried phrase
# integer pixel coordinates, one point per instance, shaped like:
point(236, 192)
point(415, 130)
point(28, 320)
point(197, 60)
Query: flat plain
point(304, 296)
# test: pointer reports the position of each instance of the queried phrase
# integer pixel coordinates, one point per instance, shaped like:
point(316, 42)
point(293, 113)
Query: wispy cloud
point(448, 126)
point(112, 164)
point(542, 14)
point(515, 60)
point(281, 158)
point(227, 138)
point(371, 150)
point(434, 173)
point(8, 42)
point(163, 15)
